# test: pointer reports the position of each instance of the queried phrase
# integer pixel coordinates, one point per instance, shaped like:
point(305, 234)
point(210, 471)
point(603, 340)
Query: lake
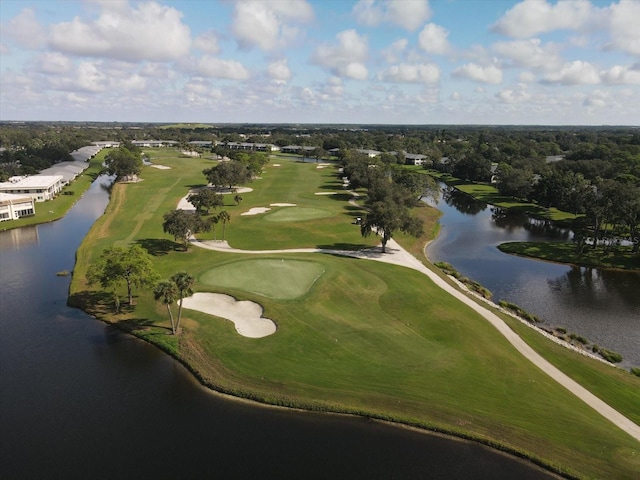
point(601, 305)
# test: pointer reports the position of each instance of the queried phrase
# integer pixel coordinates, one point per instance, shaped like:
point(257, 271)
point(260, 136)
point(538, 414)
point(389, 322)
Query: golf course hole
point(297, 214)
point(279, 278)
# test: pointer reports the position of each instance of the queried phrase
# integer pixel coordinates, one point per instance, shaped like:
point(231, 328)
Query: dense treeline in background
point(592, 172)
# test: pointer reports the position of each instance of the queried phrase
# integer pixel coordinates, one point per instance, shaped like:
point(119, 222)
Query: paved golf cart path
point(398, 256)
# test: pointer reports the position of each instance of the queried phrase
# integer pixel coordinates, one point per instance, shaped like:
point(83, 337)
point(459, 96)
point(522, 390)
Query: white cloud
point(279, 70)
point(526, 77)
point(89, 78)
point(489, 74)
point(575, 73)
point(532, 17)
point(346, 58)
point(207, 42)
point(530, 53)
point(455, 96)
point(621, 75)
point(408, 14)
point(393, 53)
point(149, 32)
point(411, 73)
point(25, 30)
point(511, 96)
point(625, 26)
point(54, 63)
point(263, 24)
point(433, 39)
point(208, 66)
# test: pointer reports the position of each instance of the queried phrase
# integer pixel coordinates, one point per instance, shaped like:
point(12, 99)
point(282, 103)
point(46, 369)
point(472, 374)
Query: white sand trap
point(323, 165)
point(275, 165)
point(185, 204)
point(325, 193)
point(256, 211)
point(161, 167)
point(246, 315)
point(283, 204)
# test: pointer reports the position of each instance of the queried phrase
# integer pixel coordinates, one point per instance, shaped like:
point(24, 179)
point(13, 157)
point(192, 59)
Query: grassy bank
point(57, 208)
point(484, 192)
point(563, 252)
point(367, 338)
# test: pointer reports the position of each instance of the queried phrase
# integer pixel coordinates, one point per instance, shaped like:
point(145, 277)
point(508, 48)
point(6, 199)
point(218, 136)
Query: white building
point(13, 207)
point(39, 187)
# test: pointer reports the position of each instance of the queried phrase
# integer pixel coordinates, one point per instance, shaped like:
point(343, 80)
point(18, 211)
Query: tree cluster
point(116, 266)
point(123, 162)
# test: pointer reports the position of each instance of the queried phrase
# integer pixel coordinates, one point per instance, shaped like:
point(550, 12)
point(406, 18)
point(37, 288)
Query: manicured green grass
point(489, 194)
point(365, 337)
point(563, 252)
point(274, 278)
point(297, 214)
point(57, 208)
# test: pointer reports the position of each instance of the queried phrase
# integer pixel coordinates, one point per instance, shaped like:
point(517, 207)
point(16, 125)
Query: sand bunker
point(325, 193)
point(322, 165)
point(256, 211)
point(283, 204)
point(246, 315)
point(275, 165)
point(185, 204)
point(161, 167)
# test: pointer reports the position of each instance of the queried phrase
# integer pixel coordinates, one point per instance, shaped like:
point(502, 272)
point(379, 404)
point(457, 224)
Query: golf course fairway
point(353, 335)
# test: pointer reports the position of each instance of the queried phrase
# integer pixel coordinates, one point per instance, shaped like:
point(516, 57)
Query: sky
point(541, 62)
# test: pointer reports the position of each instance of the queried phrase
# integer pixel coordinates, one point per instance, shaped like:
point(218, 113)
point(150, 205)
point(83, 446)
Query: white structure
point(414, 158)
point(13, 207)
point(39, 187)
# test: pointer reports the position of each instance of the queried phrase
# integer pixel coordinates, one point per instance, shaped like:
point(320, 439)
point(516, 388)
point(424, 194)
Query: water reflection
point(462, 202)
point(601, 305)
point(19, 237)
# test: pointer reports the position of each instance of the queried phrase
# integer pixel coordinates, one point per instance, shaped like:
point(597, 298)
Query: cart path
point(398, 256)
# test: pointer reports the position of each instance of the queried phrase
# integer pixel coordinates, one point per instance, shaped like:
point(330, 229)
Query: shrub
point(635, 371)
point(608, 355)
point(561, 330)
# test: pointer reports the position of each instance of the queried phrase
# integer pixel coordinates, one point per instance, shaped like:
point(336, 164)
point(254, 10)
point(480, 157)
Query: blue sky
point(565, 62)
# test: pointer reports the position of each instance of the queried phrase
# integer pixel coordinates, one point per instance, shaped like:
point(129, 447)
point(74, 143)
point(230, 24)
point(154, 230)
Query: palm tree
point(224, 217)
point(213, 221)
point(237, 199)
point(167, 291)
point(183, 282)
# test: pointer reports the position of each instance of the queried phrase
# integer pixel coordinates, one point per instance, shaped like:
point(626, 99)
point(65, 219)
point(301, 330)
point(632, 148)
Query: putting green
point(275, 278)
point(295, 214)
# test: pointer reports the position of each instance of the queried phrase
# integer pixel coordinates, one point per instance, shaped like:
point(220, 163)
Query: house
point(83, 154)
point(368, 153)
point(39, 187)
point(154, 143)
point(414, 158)
point(201, 143)
point(13, 206)
point(107, 144)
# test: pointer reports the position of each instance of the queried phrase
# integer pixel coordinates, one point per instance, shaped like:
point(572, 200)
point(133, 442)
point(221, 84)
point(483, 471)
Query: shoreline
point(561, 262)
point(261, 398)
point(291, 405)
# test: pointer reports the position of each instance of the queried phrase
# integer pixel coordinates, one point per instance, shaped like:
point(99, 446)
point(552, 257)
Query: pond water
point(79, 399)
point(601, 305)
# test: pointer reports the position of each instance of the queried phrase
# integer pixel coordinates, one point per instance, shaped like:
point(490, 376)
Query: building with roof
point(68, 170)
point(414, 158)
point(39, 187)
point(13, 206)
